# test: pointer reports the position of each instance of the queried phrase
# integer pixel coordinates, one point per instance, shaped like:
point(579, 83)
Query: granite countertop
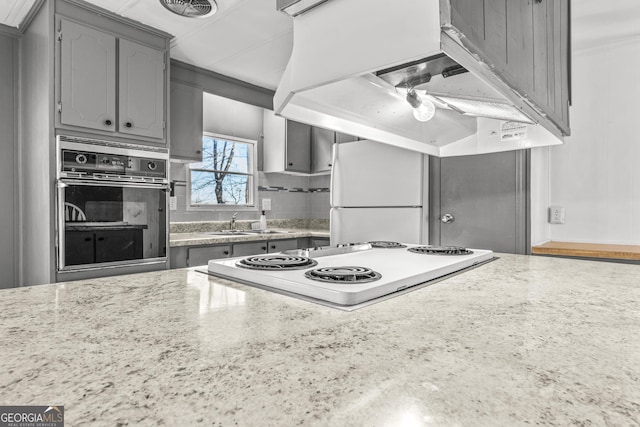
point(202, 238)
point(197, 233)
point(519, 341)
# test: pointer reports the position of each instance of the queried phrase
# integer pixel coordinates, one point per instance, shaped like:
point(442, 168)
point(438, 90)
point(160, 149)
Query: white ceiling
point(251, 41)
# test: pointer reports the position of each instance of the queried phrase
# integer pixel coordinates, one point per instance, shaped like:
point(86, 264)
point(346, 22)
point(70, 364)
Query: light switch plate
point(173, 203)
point(266, 204)
point(556, 215)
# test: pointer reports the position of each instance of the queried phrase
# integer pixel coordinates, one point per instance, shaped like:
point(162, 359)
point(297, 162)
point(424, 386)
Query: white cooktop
point(399, 268)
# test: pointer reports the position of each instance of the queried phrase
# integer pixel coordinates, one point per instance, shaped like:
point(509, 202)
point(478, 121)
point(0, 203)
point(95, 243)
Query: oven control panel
point(92, 163)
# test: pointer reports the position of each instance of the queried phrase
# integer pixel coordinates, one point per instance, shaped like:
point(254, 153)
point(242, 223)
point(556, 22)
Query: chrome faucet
point(232, 223)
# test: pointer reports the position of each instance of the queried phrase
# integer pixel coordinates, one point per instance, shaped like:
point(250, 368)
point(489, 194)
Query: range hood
point(354, 62)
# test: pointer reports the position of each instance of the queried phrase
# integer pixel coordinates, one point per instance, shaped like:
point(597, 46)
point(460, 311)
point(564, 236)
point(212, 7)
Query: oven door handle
point(62, 183)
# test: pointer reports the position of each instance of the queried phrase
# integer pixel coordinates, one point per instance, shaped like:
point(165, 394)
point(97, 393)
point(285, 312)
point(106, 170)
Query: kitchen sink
point(227, 233)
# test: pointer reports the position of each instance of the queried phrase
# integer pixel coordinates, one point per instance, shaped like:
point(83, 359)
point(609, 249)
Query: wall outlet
point(173, 203)
point(266, 205)
point(556, 215)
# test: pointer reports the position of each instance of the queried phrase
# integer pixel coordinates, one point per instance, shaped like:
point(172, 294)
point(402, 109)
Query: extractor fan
point(191, 8)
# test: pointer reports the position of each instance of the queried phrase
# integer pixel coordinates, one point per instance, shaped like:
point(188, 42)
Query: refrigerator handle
point(334, 163)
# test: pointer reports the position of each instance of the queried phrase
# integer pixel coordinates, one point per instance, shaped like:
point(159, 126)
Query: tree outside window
point(225, 175)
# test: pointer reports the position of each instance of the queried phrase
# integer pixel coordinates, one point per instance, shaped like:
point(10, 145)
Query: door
point(186, 122)
point(298, 146)
point(480, 201)
point(118, 245)
point(141, 90)
point(88, 77)
point(79, 247)
point(321, 149)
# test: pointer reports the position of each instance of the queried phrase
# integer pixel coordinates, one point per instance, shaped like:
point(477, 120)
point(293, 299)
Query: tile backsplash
point(292, 197)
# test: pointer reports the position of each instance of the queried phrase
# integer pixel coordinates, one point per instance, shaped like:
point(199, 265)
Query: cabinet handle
point(264, 248)
point(329, 164)
point(87, 239)
point(290, 164)
point(128, 124)
point(226, 252)
point(198, 151)
point(100, 239)
point(273, 246)
point(107, 122)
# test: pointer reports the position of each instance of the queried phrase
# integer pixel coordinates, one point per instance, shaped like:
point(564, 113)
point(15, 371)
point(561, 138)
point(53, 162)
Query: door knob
point(447, 218)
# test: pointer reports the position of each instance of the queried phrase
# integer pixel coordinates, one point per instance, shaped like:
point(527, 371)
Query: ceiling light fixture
point(423, 110)
point(191, 8)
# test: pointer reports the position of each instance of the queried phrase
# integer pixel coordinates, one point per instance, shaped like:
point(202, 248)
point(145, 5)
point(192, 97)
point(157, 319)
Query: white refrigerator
point(377, 193)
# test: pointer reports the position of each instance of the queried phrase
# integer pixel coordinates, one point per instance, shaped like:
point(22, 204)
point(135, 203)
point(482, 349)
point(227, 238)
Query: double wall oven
point(111, 208)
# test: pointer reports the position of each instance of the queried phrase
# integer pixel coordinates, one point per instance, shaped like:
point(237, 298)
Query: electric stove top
point(348, 275)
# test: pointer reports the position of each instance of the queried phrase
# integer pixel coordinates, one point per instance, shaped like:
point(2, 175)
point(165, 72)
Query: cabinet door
point(118, 245)
point(322, 141)
point(78, 247)
point(87, 77)
point(186, 122)
point(202, 255)
point(141, 90)
point(246, 249)
point(298, 147)
point(282, 245)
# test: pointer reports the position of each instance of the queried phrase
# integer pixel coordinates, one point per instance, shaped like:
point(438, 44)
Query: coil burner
point(381, 244)
point(440, 250)
point(276, 262)
point(346, 275)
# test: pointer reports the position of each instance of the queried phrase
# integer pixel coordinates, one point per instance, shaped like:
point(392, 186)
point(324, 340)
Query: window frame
point(253, 177)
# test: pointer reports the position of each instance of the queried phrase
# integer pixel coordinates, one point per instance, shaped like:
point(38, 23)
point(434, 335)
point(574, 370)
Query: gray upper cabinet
point(322, 141)
point(186, 122)
point(88, 77)
point(287, 145)
point(96, 69)
point(141, 90)
point(297, 148)
point(526, 43)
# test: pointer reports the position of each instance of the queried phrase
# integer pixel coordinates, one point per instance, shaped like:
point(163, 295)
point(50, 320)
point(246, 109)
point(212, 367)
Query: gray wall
point(8, 171)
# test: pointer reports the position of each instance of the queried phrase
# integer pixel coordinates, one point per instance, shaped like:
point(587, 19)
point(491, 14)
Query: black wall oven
point(111, 208)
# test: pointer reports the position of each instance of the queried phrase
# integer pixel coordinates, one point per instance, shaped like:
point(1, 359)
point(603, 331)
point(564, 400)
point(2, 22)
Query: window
point(225, 176)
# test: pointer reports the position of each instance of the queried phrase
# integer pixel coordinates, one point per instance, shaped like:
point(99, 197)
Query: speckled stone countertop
point(519, 341)
point(197, 239)
point(195, 233)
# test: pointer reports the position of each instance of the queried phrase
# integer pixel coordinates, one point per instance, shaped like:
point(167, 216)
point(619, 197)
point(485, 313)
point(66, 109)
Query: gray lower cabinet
point(201, 255)
point(190, 256)
point(249, 248)
point(282, 245)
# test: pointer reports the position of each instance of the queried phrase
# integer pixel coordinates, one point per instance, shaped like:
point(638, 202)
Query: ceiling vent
point(191, 8)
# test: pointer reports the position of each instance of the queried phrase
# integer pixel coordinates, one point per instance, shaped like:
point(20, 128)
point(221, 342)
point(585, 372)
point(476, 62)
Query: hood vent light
point(423, 110)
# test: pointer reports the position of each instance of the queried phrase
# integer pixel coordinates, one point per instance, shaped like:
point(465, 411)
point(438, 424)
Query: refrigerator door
point(369, 173)
point(354, 225)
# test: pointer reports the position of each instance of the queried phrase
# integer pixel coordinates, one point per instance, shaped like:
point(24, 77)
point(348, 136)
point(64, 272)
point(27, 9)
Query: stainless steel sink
point(227, 233)
point(265, 232)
